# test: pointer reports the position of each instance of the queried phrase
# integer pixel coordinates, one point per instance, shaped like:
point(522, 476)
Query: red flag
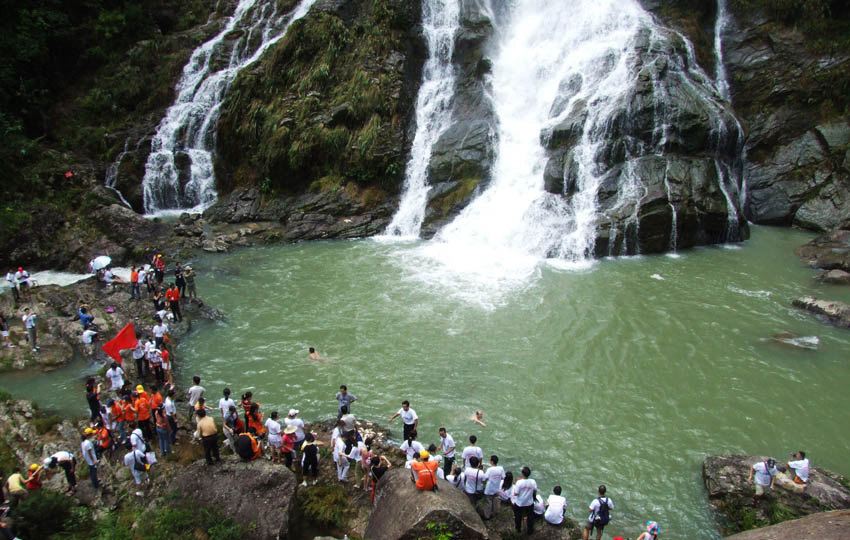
point(126, 339)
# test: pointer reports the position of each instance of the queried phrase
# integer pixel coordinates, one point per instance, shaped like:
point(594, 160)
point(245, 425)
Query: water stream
point(179, 170)
point(440, 22)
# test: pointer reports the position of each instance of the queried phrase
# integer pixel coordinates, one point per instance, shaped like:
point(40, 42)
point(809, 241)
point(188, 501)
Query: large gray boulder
point(834, 312)
point(823, 526)
point(259, 495)
point(731, 494)
point(404, 513)
point(829, 252)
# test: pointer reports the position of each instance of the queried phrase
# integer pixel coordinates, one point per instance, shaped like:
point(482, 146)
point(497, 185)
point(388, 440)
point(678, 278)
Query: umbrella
point(100, 262)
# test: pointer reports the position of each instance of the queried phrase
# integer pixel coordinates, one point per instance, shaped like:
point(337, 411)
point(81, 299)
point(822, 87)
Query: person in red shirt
point(173, 297)
point(255, 421)
point(159, 268)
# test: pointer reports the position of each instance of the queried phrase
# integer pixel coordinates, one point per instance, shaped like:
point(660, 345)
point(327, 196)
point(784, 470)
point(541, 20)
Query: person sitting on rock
point(423, 472)
point(801, 468)
point(764, 473)
point(247, 447)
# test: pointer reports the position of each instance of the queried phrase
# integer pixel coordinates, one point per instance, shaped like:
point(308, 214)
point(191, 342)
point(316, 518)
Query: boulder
point(263, 501)
point(404, 513)
point(830, 251)
point(833, 525)
point(838, 277)
point(837, 313)
point(730, 494)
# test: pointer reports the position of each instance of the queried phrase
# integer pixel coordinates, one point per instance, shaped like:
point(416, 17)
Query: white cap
point(47, 462)
point(293, 412)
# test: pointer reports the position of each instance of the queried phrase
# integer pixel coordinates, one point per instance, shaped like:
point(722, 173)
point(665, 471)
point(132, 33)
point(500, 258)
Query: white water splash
point(433, 112)
point(111, 177)
point(515, 224)
point(188, 128)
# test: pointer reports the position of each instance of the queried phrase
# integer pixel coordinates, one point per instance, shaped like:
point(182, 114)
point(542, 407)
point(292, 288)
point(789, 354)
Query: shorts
point(593, 525)
point(760, 489)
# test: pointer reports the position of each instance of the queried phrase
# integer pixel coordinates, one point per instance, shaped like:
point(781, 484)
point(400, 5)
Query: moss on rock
point(327, 105)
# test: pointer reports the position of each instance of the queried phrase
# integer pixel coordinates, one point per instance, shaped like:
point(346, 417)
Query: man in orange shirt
point(143, 412)
point(156, 398)
point(424, 472)
point(135, 293)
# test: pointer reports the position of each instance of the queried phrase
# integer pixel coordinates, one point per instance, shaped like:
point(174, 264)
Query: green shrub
point(43, 514)
point(45, 423)
point(325, 505)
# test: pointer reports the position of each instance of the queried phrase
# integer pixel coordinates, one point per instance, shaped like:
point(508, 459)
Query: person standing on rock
point(195, 392)
point(135, 293)
point(4, 332)
point(408, 417)
point(30, 320)
point(136, 461)
point(10, 278)
point(423, 472)
point(525, 491)
point(411, 448)
point(89, 455)
point(764, 473)
point(116, 377)
point(208, 433)
point(180, 280)
point(189, 274)
point(344, 400)
point(275, 438)
point(341, 459)
point(159, 330)
point(159, 268)
point(600, 514)
point(92, 398)
point(142, 280)
point(493, 483)
point(473, 480)
point(292, 420)
point(225, 403)
point(472, 450)
point(447, 447)
point(310, 459)
point(171, 414)
point(172, 295)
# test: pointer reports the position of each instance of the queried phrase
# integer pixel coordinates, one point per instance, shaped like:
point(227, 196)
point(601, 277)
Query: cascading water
point(719, 68)
point(440, 22)
point(179, 170)
point(589, 63)
point(112, 173)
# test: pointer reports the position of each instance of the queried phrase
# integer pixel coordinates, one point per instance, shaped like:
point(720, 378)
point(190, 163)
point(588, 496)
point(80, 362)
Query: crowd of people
point(136, 422)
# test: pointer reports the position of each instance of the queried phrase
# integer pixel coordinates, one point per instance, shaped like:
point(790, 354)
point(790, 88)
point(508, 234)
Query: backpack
point(603, 515)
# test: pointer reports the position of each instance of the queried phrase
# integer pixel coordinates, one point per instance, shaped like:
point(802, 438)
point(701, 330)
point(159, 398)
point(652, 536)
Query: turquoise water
point(626, 373)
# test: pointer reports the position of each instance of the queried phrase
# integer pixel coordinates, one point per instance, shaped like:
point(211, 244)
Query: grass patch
point(326, 506)
point(45, 423)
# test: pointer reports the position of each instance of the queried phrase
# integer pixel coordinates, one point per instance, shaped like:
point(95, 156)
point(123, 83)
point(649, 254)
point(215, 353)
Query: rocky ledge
point(731, 495)
point(58, 331)
point(823, 526)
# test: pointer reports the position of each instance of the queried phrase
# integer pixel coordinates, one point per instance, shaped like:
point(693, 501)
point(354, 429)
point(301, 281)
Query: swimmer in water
point(478, 418)
point(314, 355)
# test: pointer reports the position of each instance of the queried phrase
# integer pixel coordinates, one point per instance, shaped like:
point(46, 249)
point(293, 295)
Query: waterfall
point(179, 170)
point(112, 173)
point(440, 22)
point(514, 223)
point(590, 65)
point(719, 69)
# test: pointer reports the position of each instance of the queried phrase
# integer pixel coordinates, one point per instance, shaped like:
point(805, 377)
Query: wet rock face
point(667, 155)
point(784, 88)
point(462, 157)
point(730, 494)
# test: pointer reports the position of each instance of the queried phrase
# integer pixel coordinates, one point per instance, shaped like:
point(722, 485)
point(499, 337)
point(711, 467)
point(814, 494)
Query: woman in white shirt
point(275, 438)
